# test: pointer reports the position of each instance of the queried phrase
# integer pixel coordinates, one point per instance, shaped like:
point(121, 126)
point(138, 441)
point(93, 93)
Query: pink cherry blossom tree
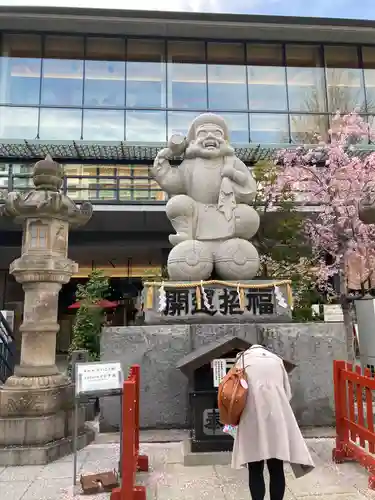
point(332, 179)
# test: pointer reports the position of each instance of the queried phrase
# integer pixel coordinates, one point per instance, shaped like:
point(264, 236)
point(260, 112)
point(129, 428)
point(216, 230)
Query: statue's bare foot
point(175, 239)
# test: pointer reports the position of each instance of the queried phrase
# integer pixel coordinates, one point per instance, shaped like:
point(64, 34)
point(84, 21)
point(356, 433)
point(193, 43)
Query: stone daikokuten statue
point(209, 207)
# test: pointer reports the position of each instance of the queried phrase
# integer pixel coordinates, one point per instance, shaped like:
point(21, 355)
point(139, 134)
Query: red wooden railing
point(131, 460)
point(355, 437)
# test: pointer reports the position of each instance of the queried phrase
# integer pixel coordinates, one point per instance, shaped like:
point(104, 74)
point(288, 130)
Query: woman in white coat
point(268, 430)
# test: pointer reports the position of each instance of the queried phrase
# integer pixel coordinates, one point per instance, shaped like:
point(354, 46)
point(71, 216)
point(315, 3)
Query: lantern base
point(37, 422)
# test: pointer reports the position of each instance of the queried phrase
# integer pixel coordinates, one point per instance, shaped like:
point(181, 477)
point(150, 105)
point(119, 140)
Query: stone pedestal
point(36, 420)
point(37, 402)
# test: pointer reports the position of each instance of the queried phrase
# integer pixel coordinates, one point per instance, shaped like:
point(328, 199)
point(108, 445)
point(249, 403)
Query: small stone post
point(36, 403)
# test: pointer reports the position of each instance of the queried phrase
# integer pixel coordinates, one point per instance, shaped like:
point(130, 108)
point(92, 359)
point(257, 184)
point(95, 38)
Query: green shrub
point(89, 318)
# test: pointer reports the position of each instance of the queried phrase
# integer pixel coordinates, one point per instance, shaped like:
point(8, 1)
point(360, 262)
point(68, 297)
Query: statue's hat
point(204, 119)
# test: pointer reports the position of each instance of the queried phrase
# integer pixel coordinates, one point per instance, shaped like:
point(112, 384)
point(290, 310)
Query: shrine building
point(101, 90)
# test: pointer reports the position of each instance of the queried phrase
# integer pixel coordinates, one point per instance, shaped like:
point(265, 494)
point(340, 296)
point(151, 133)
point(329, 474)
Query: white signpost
point(96, 379)
point(333, 313)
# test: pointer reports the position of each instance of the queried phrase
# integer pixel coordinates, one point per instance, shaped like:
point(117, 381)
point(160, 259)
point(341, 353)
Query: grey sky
point(348, 9)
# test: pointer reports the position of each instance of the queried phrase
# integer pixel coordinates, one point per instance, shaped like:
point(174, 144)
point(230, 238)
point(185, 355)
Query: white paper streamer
point(280, 298)
point(206, 303)
point(162, 298)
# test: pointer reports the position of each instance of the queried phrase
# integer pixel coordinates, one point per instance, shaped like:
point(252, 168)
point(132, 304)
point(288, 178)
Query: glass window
point(238, 125)
point(38, 235)
point(103, 125)
point(180, 121)
point(344, 79)
point(107, 183)
point(19, 123)
point(62, 78)
point(4, 169)
point(368, 57)
point(105, 72)
point(22, 176)
point(20, 69)
point(60, 124)
point(137, 185)
point(125, 173)
point(309, 129)
point(4, 180)
point(146, 126)
point(359, 140)
point(187, 78)
point(3, 191)
point(146, 74)
point(266, 77)
point(226, 73)
point(305, 73)
point(79, 180)
point(267, 128)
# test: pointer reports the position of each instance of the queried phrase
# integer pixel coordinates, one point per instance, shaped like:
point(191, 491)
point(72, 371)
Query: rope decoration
point(280, 298)
point(198, 298)
point(194, 284)
point(149, 297)
point(201, 294)
point(241, 297)
point(206, 302)
point(289, 296)
point(162, 298)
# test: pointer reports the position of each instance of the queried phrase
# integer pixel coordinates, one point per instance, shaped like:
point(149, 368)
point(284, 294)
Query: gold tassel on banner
point(149, 297)
point(289, 295)
point(198, 298)
point(242, 299)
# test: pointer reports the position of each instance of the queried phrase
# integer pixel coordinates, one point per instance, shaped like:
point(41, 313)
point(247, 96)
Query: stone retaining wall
point(164, 392)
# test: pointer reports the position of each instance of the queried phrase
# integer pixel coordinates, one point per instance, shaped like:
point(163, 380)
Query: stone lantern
point(36, 403)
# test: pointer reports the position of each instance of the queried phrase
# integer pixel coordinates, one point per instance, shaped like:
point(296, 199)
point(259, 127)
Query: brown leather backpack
point(232, 395)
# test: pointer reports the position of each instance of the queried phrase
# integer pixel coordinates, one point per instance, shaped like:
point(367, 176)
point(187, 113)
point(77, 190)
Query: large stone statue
point(209, 207)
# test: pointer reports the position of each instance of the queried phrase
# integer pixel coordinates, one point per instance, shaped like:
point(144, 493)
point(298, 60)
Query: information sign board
point(97, 377)
point(219, 368)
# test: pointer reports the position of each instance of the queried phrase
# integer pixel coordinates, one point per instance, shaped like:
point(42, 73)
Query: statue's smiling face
point(209, 137)
point(209, 143)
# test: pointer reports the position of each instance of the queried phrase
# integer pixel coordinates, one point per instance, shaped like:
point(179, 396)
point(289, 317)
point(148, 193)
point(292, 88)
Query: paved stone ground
point(170, 480)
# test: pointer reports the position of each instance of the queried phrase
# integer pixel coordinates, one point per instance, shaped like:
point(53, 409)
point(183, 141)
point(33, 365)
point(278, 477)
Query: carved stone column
point(36, 403)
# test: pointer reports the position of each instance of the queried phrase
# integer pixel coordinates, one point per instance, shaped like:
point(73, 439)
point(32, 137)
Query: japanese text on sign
point(222, 301)
point(98, 377)
point(219, 369)
point(211, 422)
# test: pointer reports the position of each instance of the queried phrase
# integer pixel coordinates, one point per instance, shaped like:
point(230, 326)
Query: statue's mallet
point(177, 144)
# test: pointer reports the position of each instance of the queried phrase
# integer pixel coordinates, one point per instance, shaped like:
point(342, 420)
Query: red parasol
point(104, 304)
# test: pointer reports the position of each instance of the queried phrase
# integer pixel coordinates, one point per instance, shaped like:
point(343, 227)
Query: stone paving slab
point(169, 479)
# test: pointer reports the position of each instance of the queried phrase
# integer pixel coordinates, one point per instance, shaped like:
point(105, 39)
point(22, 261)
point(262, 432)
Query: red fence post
point(125, 492)
point(353, 436)
point(342, 431)
point(142, 460)
point(131, 461)
point(136, 375)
